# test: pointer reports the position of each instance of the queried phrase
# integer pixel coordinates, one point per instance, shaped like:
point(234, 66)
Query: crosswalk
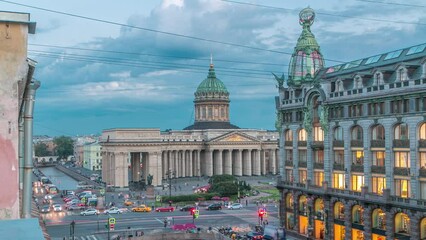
point(87, 237)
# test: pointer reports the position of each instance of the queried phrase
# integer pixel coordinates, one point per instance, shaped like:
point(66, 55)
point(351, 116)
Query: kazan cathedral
point(210, 146)
point(354, 144)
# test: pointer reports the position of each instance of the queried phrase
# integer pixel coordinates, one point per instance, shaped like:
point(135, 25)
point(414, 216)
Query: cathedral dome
point(306, 59)
point(211, 84)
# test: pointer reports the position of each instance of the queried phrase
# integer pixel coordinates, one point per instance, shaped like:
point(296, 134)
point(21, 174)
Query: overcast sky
point(113, 64)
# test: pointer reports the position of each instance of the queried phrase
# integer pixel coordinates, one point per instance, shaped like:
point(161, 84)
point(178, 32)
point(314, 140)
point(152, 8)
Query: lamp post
point(170, 173)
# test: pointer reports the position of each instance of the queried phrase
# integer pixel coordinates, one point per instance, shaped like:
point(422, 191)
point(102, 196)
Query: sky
point(136, 64)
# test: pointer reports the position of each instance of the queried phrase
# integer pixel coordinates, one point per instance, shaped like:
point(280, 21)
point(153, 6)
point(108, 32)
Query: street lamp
point(169, 174)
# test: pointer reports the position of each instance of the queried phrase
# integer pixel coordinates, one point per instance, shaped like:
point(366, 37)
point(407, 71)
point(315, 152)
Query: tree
point(64, 146)
point(41, 150)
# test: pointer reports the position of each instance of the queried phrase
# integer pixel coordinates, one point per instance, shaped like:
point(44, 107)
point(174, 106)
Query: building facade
point(211, 146)
point(92, 158)
point(353, 144)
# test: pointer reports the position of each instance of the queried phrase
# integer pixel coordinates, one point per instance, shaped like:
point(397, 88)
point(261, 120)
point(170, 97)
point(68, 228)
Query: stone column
point(414, 226)
point(198, 163)
point(238, 170)
point(154, 167)
point(190, 165)
point(183, 160)
point(247, 160)
point(209, 163)
point(348, 221)
point(218, 160)
point(122, 171)
point(367, 222)
point(273, 162)
point(263, 162)
point(256, 161)
point(228, 162)
point(175, 164)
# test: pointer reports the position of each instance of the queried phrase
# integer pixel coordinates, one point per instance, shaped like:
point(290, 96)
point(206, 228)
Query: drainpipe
point(28, 147)
point(21, 153)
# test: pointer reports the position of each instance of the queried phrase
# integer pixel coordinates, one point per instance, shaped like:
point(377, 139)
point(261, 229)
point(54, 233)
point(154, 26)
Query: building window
point(302, 176)
point(203, 116)
point(210, 112)
point(402, 74)
point(338, 133)
point(420, 104)
point(339, 157)
point(357, 182)
point(358, 157)
point(222, 112)
point(319, 156)
point(402, 159)
point(379, 183)
point(289, 155)
point(336, 112)
point(378, 133)
point(318, 178)
point(422, 132)
point(402, 188)
point(401, 132)
point(302, 135)
point(399, 106)
point(288, 135)
point(302, 156)
point(355, 110)
point(379, 158)
point(289, 175)
point(339, 180)
point(318, 134)
point(422, 190)
point(422, 160)
point(357, 133)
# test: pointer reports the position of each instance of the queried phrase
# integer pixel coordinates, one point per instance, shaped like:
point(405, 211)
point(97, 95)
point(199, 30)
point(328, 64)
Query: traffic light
point(192, 212)
point(261, 212)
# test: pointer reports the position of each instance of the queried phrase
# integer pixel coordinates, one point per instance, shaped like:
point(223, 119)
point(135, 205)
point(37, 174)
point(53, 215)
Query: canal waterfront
point(60, 179)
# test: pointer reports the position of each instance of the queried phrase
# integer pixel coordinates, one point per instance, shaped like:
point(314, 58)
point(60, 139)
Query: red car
point(165, 209)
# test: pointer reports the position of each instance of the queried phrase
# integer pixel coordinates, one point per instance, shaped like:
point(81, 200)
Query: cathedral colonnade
point(121, 167)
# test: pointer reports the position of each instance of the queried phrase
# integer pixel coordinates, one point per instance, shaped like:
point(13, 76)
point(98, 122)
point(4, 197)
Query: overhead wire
point(393, 3)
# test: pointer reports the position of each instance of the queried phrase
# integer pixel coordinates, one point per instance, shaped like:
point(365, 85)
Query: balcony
point(357, 143)
point(357, 168)
point(422, 172)
point(377, 143)
point(317, 145)
point(422, 143)
point(302, 143)
point(398, 143)
point(339, 166)
point(288, 163)
point(378, 169)
point(288, 143)
point(401, 171)
point(303, 164)
point(338, 143)
point(318, 165)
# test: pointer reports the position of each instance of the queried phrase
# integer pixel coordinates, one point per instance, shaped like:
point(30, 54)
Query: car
point(90, 211)
point(113, 210)
point(235, 206)
point(128, 203)
point(45, 209)
point(74, 207)
point(49, 196)
point(141, 208)
point(165, 209)
point(57, 208)
point(214, 206)
point(187, 208)
point(72, 202)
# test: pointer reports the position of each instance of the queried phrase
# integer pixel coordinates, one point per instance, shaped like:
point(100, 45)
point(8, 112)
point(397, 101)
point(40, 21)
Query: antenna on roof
point(211, 60)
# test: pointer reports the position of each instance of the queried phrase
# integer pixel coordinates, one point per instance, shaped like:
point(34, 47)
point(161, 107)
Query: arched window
point(319, 209)
point(379, 219)
point(356, 133)
point(289, 202)
point(357, 82)
point(401, 74)
point(422, 132)
point(339, 211)
point(318, 134)
point(303, 205)
point(423, 229)
point(378, 132)
point(338, 133)
point(358, 214)
point(401, 132)
point(402, 223)
point(378, 79)
point(302, 135)
point(339, 86)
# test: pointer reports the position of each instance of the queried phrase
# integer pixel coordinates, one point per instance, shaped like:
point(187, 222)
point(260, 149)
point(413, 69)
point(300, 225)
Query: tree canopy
point(64, 146)
point(227, 185)
point(41, 150)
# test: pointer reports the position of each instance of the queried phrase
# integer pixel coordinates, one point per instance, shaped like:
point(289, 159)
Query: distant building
point(354, 144)
point(79, 143)
point(211, 146)
point(92, 158)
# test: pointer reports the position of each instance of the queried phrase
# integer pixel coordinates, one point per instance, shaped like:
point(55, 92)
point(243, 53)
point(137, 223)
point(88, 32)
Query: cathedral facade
point(210, 146)
point(354, 144)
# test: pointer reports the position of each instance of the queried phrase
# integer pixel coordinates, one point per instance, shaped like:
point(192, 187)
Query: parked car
point(165, 209)
point(57, 208)
point(187, 208)
point(45, 208)
point(141, 208)
point(72, 202)
point(235, 206)
point(90, 211)
point(214, 206)
point(113, 210)
point(74, 207)
point(128, 203)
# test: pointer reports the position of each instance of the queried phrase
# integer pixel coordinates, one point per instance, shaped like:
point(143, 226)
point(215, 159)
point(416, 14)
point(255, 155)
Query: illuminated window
point(318, 134)
point(319, 156)
point(303, 176)
point(339, 180)
point(379, 219)
point(302, 135)
point(401, 132)
point(318, 178)
point(288, 135)
point(379, 158)
point(402, 159)
point(402, 188)
point(357, 182)
point(379, 183)
point(422, 159)
point(339, 211)
point(289, 175)
point(357, 157)
point(422, 190)
point(422, 132)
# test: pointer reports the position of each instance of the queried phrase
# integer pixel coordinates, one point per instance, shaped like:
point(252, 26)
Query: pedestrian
point(246, 202)
point(165, 222)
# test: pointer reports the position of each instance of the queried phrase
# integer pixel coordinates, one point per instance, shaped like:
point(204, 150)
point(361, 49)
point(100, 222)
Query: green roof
point(211, 84)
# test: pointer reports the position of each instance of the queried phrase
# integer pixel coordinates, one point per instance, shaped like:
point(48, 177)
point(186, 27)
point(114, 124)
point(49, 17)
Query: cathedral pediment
point(235, 137)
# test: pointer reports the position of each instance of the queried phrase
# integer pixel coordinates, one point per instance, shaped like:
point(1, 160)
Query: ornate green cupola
point(306, 59)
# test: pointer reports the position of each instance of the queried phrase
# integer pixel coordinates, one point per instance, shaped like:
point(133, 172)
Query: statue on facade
point(323, 112)
point(149, 179)
point(307, 119)
point(279, 121)
point(280, 80)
